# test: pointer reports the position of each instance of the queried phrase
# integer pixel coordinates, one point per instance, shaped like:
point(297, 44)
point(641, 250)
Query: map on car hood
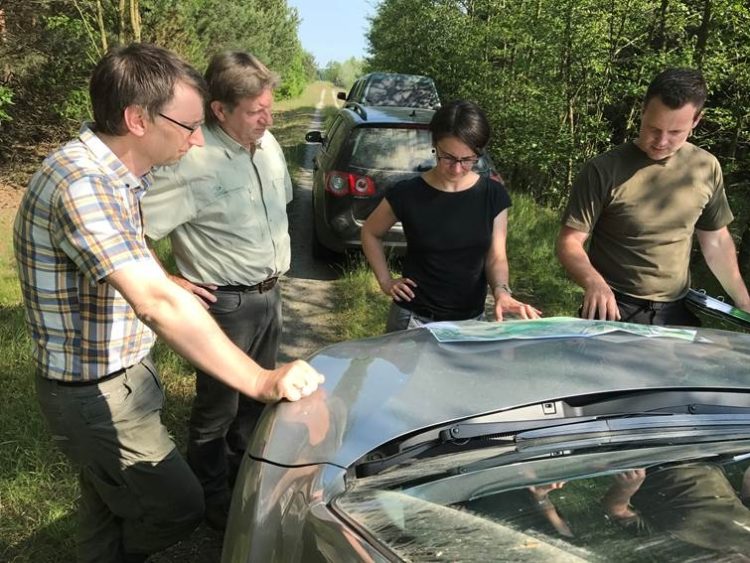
point(553, 327)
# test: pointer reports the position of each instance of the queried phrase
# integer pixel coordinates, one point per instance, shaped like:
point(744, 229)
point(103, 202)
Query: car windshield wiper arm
point(471, 430)
point(533, 429)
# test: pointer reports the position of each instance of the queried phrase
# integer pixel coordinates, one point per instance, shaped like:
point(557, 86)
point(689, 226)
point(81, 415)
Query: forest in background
point(562, 80)
point(48, 48)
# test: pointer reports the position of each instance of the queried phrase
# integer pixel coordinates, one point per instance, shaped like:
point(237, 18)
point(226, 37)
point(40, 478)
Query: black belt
point(643, 303)
point(262, 287)
point(86, 382)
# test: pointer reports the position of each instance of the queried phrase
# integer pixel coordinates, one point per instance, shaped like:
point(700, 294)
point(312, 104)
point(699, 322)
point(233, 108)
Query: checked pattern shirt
point(79, 221)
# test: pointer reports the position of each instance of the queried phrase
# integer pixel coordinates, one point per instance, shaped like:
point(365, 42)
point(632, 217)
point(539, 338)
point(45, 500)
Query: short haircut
point(235, 75)
point(676, 87)
point(139, 74)
point(464, 120)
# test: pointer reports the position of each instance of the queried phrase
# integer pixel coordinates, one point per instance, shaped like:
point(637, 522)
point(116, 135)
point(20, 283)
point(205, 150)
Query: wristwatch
point(502, 287)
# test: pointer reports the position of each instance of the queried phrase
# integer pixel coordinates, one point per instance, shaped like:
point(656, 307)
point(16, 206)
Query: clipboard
point(699, 301)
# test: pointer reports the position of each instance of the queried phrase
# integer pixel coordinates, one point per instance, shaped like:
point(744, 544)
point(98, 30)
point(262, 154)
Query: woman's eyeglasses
point(466, 163)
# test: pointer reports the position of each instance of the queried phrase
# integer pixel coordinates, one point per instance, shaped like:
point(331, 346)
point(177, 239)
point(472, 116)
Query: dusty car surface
point(394, 89)
point(552, 440)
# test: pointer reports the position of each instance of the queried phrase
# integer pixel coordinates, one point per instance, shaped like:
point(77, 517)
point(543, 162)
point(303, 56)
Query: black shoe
point(216, 516)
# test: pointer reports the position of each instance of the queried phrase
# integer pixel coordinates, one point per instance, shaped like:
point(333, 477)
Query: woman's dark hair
point(137, 74)
point(464, 120)
point(676, 87)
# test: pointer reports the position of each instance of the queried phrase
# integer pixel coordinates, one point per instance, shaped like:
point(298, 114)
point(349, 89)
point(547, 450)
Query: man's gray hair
point(235, 75)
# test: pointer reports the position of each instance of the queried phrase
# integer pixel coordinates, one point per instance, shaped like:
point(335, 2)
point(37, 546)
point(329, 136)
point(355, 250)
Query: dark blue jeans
point(222, 420)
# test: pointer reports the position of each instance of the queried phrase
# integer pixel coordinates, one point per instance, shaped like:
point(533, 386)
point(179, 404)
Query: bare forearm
point(721, 257)
point(372, 247)
point(576, 262)
point(186, 327)
point(497, 271)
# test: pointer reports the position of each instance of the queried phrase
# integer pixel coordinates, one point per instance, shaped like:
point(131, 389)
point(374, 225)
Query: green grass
point(361, 308)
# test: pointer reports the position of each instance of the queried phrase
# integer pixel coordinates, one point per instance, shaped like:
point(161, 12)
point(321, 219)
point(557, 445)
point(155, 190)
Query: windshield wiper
point(645, 427)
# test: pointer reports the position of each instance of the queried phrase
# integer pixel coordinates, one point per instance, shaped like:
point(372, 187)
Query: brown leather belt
point(87, 382)
point(262, 287)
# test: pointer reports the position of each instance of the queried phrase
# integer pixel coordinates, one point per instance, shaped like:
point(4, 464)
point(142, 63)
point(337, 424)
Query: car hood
point(379, 389)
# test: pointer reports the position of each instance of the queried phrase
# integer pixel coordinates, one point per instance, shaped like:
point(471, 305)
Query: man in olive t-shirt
point(641, 203)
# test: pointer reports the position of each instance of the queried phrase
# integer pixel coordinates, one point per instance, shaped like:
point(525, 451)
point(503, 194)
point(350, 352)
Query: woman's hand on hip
point(400, 289)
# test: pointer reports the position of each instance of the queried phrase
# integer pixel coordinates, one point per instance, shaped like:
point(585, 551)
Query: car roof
point(382, 74)
point(382, 388)
point(385, 115)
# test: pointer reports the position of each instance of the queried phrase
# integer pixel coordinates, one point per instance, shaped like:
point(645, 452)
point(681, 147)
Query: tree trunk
point(102, 29)
point(121, 22)
point(703, 32)
point(135, 20)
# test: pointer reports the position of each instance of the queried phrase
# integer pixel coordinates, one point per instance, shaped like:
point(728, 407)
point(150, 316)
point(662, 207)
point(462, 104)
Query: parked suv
point(393, 89)
point(364, 152)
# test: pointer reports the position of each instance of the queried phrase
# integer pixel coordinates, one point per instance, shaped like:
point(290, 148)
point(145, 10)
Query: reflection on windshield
point(391, 148)
point(693, 510)
point(402, 91)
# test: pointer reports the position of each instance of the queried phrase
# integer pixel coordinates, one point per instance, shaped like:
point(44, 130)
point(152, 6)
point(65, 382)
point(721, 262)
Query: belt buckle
point(266, 285)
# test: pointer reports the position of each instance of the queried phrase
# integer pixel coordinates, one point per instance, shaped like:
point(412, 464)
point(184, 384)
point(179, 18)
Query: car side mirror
point(314, 137)
point(341, 95)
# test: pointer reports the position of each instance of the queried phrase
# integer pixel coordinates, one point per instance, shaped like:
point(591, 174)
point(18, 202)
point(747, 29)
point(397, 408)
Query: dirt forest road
point(307, 288)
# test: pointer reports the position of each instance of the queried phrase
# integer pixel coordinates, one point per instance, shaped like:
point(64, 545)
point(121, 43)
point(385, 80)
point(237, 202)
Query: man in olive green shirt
point(641, 203)
point(224, 209)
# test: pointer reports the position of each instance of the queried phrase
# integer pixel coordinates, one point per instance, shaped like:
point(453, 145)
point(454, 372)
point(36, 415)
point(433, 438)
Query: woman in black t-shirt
point(455, 223)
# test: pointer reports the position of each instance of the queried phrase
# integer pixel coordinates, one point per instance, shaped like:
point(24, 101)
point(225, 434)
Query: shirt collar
point(119, 173)
point(228, 143)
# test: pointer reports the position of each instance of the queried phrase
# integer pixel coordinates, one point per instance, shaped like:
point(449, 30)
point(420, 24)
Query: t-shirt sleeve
point(168, 203)
point(97, 228)
point(395, 198)
point(586, 201)
point(499, 198)
point(717, 213)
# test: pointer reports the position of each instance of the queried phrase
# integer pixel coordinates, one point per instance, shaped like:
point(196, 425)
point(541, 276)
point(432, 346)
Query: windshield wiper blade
point(632, 423)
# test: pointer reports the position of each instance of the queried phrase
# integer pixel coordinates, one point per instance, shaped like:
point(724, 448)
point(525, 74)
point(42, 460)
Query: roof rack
point(358, 108)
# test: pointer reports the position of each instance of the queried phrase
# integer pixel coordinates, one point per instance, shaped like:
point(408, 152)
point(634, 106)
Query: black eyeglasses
point(186, 127)
point(466, 163)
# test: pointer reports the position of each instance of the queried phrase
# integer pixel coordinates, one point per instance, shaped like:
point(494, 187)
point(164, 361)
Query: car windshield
point(402, 91)
point(673, 502)
point(392, 148)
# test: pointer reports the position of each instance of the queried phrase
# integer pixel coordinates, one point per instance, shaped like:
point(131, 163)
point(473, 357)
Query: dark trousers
point(138, 495)
point(642, 311)
point(222, 420)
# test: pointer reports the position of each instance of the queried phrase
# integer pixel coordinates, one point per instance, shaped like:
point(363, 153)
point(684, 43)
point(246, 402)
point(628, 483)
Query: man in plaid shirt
point(95, 296)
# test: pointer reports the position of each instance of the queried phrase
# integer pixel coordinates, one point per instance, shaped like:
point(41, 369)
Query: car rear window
point(392, 148)
point(402, 91)
point(389, 148)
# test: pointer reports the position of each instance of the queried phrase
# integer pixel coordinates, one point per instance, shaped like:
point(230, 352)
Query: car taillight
point(345, 183)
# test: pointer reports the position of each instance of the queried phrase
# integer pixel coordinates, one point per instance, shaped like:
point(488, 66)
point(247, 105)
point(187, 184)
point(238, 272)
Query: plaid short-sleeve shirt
point(79, 221)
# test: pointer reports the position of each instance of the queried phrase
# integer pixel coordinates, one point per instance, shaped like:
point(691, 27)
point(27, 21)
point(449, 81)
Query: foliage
point(342, 74)
point(6, 99)
point(48, 48)
point(562, 80)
